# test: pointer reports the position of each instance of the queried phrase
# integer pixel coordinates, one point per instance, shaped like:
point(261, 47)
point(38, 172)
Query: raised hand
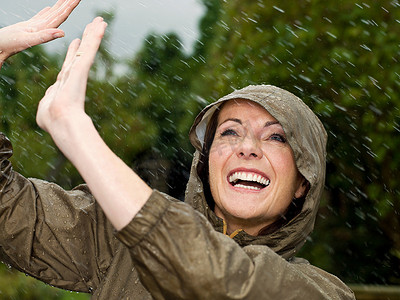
point(64, 100)
point(39, 29)
point(119, 191)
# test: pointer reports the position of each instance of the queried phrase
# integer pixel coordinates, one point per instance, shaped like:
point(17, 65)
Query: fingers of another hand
point(62, 94)
point(67, 96)
point(40, 14)
point(72, 49)
point(91, 40)
point(69, 59)
point(41, 37)
point(81, 54)
point(54, 16)
point(64, 73)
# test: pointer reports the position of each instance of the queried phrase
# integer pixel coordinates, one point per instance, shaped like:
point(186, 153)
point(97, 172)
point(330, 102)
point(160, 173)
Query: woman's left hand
point(40, 29)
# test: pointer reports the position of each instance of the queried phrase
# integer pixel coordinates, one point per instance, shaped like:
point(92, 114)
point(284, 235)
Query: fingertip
point(76, 2)
point(59, 34)
point(75, 43)
point(98, 19)
point(44, 10)
point(47, 8)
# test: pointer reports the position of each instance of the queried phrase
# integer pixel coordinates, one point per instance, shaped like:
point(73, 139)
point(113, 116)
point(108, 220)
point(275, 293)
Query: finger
point(43, 36)
point(69, 59)
point(57, 14)
point(73, 76)
point(72, 49)
point(92, 37)
point(40, 13)
point(91, 40)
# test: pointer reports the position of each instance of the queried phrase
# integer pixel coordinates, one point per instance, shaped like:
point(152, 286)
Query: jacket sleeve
point(60, 237)
point(179, 255)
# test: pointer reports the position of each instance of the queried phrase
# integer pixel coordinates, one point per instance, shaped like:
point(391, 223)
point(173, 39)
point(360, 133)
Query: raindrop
point(331, 35)
point(359, 6)
point(299, 27)
point(365, 47)
point(375, 110)
point(252, 20)
point(279, 9)
point(305, 78)
point(340, 107)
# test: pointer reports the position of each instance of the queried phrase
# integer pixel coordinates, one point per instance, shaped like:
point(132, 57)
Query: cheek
point(287, 167)
point(217, 160)
point(220, 148)
point(283, 160)
point(219, 153)
point(212, 177)
point(214, 164)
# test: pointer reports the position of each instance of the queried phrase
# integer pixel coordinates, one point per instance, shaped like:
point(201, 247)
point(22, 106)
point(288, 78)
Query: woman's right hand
point(64, 100)
point(119, 191)
point(41, 28)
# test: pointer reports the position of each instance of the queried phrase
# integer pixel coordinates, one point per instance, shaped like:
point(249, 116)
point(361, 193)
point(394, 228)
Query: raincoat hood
point(306, 136)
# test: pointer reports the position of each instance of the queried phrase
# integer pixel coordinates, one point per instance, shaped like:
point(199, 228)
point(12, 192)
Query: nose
point(249, 148)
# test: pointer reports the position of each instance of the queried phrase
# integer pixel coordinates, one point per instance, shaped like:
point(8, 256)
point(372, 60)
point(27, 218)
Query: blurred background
point(162, 61)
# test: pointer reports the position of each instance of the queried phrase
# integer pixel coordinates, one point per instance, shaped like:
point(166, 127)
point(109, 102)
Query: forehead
point(244, 109)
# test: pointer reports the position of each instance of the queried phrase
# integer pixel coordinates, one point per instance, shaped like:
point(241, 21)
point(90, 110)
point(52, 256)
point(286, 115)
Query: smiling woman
point(251, 201)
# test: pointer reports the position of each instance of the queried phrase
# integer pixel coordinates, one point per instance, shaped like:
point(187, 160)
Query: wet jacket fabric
point(173, 249)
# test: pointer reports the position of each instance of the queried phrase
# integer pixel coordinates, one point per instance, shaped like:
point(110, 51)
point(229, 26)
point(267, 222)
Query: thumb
point(44, 36)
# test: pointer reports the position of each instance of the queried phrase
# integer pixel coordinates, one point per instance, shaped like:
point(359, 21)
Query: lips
point(248, 180)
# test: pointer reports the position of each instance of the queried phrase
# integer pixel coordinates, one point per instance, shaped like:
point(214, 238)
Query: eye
point(278, 137)
point(229, 132)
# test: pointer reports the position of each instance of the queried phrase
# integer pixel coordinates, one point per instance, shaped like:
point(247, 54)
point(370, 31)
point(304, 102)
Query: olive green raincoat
point(173, 250)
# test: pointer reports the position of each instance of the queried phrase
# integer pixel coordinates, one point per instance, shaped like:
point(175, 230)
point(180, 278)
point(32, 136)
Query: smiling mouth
point(251, 181)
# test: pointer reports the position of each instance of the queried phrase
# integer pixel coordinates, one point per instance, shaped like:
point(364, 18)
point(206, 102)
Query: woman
point(257, 176)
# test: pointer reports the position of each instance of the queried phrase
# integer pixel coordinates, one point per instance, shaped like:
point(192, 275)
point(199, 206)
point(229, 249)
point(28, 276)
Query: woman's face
point(252, 172)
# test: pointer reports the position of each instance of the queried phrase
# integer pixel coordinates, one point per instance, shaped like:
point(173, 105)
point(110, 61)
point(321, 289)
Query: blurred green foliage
point(340, 57)
point(18, 286)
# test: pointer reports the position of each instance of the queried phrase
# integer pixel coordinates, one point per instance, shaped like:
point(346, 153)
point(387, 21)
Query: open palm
point(39, 29)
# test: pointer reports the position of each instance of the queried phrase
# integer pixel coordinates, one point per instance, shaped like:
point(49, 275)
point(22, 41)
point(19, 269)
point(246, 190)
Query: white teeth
point(259, 179)
point(248, 187)
point(248, 177)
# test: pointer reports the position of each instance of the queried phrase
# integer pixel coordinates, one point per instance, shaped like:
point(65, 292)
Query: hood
point(306, 136)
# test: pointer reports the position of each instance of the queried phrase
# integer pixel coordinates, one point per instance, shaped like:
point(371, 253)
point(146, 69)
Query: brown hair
point(202, 166)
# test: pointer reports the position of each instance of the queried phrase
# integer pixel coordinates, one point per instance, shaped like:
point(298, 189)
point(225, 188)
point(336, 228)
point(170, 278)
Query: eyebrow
point(267, 124)
point(233, 120)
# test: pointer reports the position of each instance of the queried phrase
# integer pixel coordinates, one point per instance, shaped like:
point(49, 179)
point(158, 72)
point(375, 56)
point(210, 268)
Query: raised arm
point(40, 29)
point(118, 190)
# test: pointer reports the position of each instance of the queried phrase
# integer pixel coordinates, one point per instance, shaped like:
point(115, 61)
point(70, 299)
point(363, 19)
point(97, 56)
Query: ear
point(302, 188)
